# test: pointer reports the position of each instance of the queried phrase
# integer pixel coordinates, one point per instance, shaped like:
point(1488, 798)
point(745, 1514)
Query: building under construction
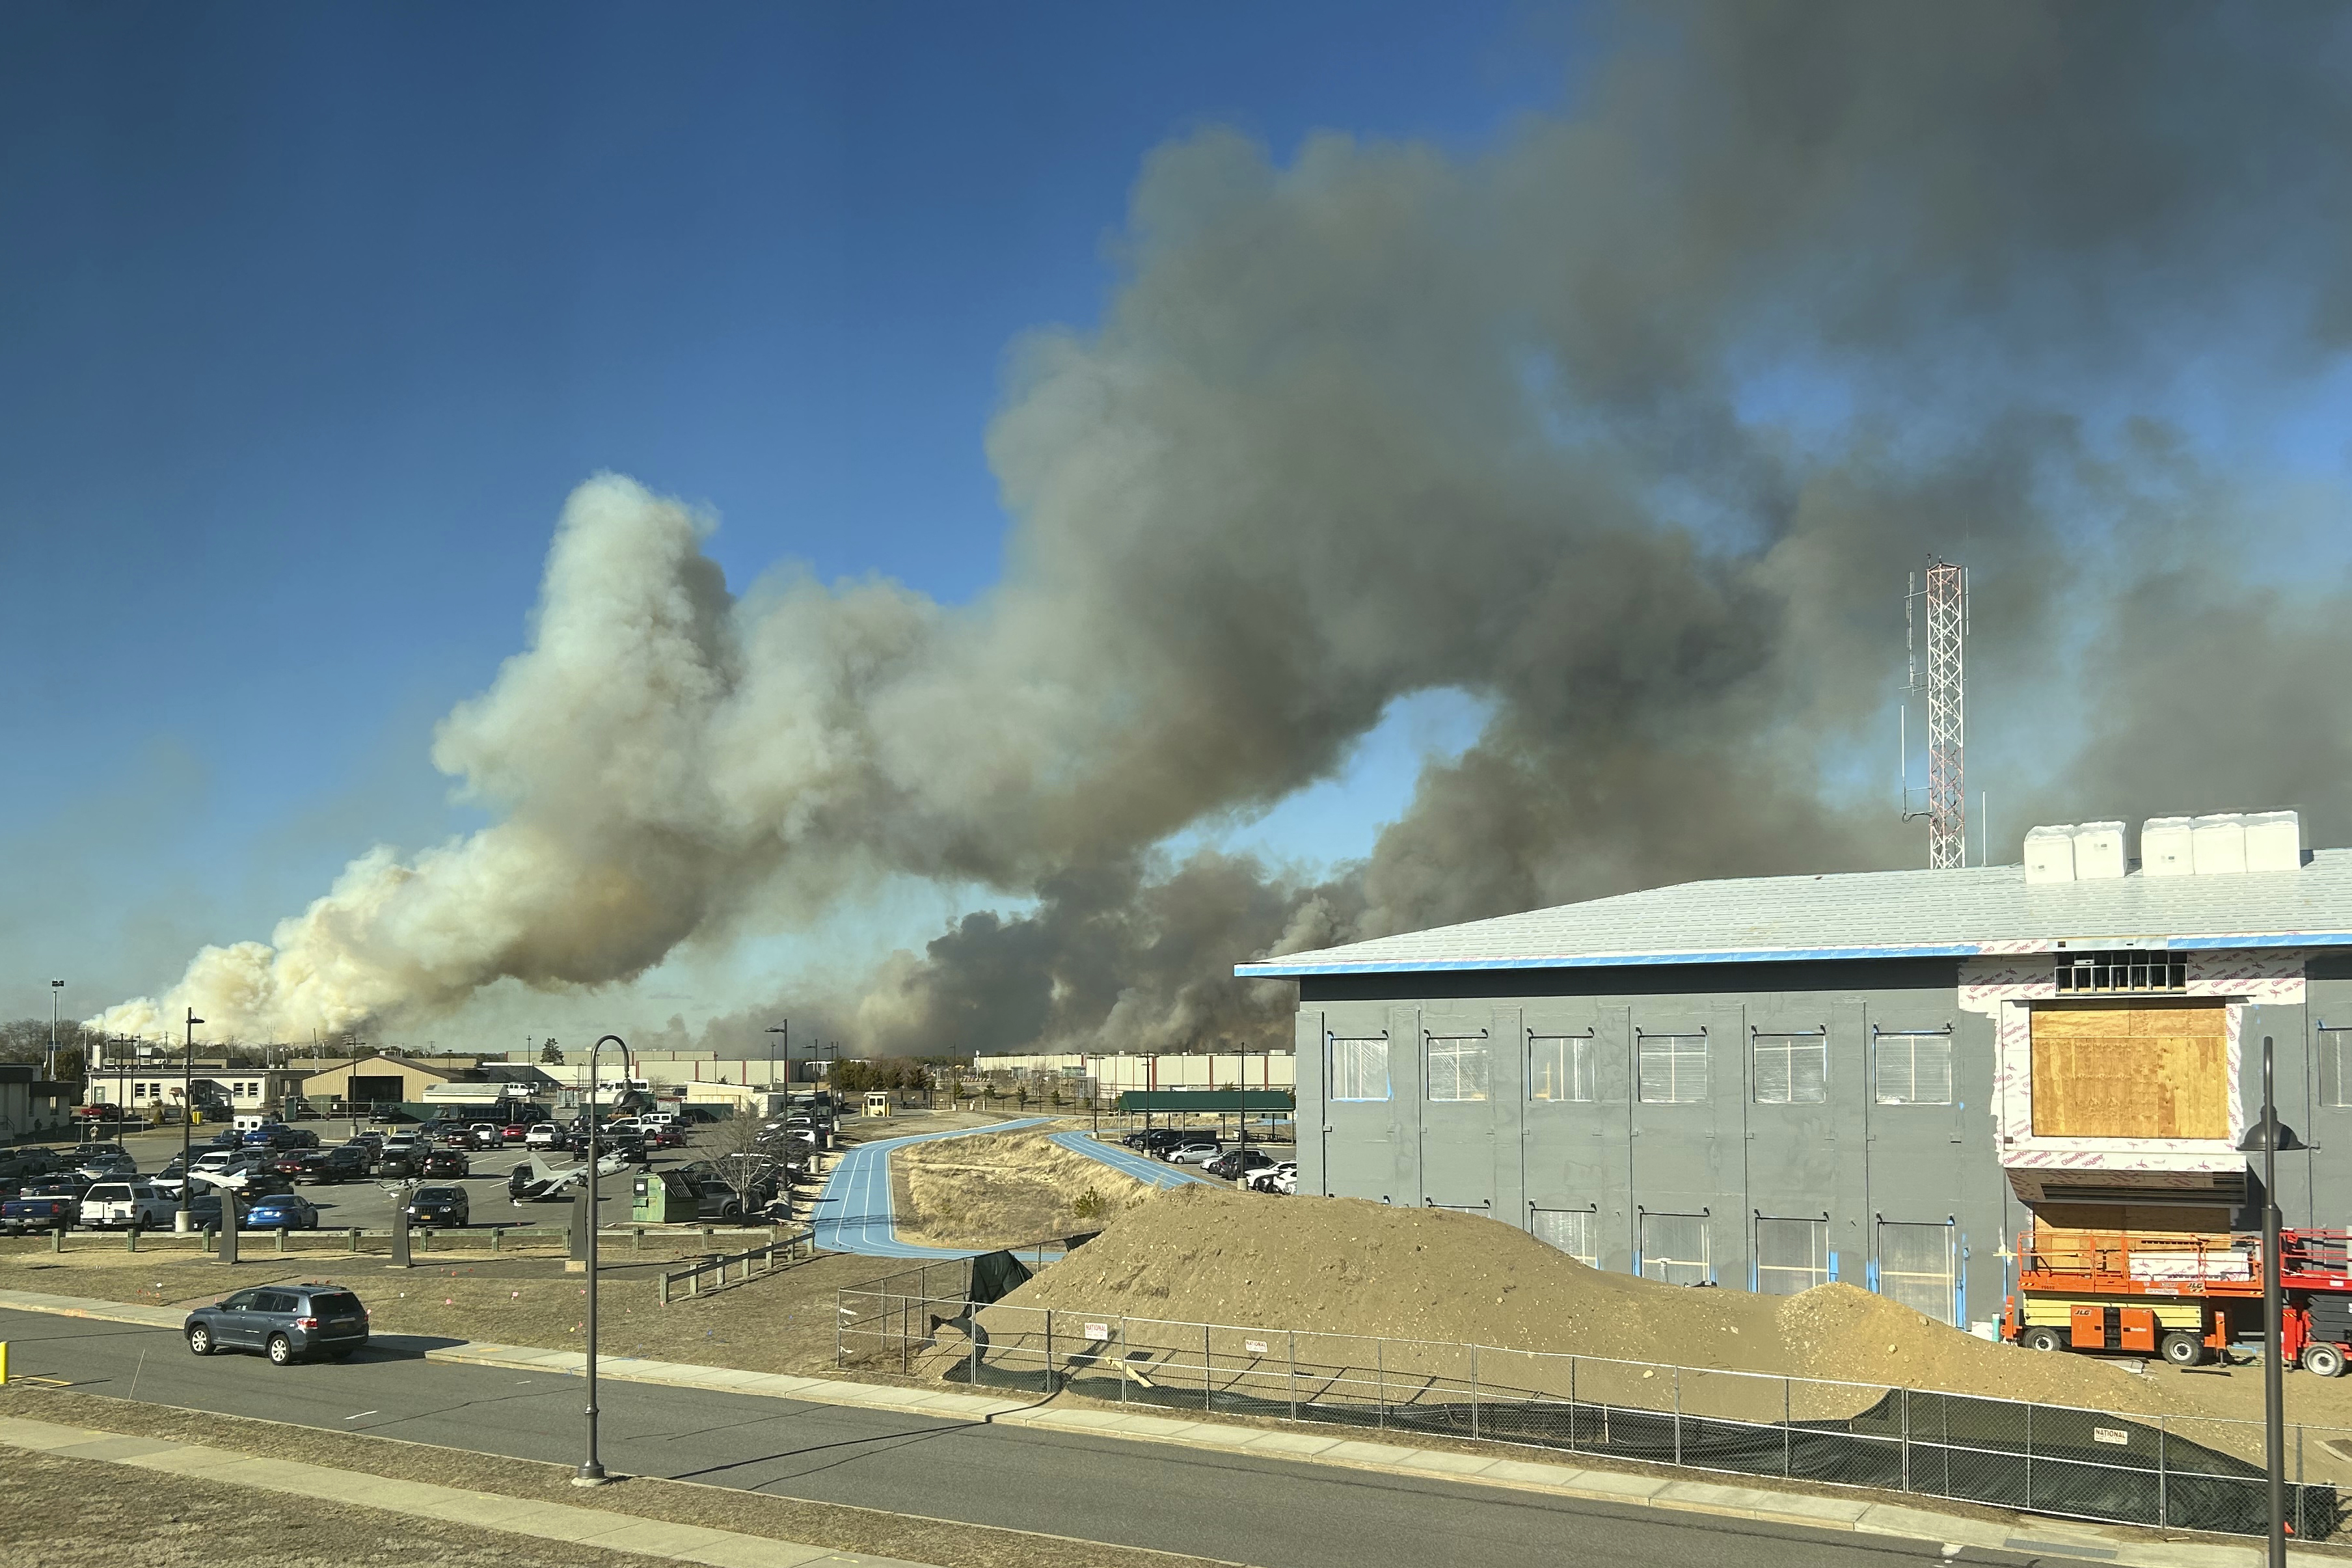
point(1777, 1081)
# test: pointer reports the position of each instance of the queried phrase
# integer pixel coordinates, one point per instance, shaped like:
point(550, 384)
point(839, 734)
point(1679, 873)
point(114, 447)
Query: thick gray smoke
point(1631, 427)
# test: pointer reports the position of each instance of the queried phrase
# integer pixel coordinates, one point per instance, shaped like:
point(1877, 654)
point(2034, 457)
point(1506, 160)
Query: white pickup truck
point(118, 1205)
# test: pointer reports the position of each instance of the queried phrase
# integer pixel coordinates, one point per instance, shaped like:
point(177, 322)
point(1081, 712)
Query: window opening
point(1457, 1066)
point(1360, 1066)
point(1791, 1255)
point(1793, 1069)
point(1912, 1067)
point(1559, 1067)
point(1573, 1231)
point(2125, 971)
point(1673, 1248)
point(1673, 1068)
point(1917, 1265)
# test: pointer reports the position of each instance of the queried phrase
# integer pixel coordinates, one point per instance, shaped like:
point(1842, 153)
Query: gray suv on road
point(285, 1322)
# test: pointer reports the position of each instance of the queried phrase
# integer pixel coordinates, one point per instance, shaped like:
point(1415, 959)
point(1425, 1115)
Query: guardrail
point(420, 1238)
point(797, 1248)
point(2165, 1471)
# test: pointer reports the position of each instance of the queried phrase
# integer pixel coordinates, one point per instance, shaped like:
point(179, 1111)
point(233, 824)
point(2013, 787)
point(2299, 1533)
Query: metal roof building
point(1880, 1077)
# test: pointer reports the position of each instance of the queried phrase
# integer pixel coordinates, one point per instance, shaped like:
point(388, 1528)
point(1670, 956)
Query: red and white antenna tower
point(1945, 685)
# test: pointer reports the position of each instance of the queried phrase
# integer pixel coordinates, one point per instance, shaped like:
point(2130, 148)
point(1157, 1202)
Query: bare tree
point(744, 1162)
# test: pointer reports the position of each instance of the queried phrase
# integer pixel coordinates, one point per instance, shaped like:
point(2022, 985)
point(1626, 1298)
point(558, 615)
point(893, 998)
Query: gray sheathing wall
point(1850, 1160)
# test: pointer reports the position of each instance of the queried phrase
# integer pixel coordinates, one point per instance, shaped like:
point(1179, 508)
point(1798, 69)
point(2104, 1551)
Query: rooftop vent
point(2222, 843)
point(2078, 852)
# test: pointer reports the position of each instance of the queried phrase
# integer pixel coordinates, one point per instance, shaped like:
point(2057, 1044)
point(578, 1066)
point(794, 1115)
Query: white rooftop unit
point(2164, 848)
point(2049, 855)
point(2218, 845)
point(2098, 850)
point(2273, 841)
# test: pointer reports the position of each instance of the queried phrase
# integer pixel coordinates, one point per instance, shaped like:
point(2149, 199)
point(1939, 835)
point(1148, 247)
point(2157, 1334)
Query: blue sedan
point(282, 1211)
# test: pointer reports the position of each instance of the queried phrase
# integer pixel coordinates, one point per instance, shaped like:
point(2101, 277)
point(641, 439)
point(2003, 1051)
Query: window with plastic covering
point(1674, 1069)
point(1559, 1067)
point(1675, 1247)
point(1457, 1067)
point(1913, 1068)
point(1791, 1255)
point(1358, 1067)
point(1918, 1265)
point(1793, 1068)
point(1571, 1230)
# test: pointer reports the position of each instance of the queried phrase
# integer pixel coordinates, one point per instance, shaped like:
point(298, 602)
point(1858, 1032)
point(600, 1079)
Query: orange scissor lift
point(2182, 1296)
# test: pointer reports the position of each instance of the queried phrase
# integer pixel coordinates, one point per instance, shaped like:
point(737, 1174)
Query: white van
point(247, 1122)
point(120, 1204)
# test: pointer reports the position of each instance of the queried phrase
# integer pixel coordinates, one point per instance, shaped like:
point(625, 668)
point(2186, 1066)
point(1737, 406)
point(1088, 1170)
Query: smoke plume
point(1630, 425)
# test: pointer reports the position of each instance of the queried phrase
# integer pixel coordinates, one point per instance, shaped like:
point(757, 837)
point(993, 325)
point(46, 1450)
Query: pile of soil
point(1003, 1189)
point(1336, 1266)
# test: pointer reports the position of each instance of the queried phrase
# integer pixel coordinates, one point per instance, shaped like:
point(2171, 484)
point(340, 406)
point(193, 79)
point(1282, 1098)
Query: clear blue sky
point(310, 316)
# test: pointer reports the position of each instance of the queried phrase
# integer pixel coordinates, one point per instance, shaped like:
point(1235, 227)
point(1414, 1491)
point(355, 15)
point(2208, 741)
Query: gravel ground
point(125, 1519)
point(144, 1510)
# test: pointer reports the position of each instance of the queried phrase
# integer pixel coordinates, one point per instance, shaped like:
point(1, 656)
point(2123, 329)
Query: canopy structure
point(1205, 1101)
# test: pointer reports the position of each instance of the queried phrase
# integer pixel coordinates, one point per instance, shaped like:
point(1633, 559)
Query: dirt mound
point(1333, 1267)
point(1003, 1189)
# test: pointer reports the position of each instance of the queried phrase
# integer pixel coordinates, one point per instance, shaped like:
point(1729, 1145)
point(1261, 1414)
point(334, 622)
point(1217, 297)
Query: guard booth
point(877, 1103)
point(665, 1197)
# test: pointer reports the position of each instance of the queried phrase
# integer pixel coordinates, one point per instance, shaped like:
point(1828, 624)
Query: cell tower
point(1945, 686)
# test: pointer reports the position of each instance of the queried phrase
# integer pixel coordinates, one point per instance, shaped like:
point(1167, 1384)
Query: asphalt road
point(1239, 1508)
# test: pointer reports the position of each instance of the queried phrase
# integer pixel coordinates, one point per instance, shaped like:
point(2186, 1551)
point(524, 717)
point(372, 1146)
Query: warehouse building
point(1882, 1077)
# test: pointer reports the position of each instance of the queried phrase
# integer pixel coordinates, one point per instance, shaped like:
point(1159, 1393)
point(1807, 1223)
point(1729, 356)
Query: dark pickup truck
point(42, 1206)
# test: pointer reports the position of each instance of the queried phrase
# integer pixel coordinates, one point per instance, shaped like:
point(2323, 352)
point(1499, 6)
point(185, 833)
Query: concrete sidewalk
point(1913, 1519)
point(478, 1510)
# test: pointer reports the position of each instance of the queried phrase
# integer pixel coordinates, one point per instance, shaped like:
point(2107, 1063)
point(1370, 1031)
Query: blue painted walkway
point(852, 1212)
point(1127, 1162)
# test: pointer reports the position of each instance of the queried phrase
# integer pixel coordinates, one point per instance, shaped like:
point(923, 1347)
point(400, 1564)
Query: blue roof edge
point(1280, 971)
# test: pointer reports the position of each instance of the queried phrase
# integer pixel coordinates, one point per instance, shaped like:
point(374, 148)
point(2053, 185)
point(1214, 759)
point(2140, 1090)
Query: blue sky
point(312, 317)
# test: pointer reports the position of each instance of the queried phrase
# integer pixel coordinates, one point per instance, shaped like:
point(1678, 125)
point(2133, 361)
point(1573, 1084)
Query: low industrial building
point(31, 1105)
point(1882, 1076)
point(159, 1087)
point(381, 1081)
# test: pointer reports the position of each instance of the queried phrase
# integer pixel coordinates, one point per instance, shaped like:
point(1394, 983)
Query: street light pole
point(49, 1069)
point(785, 1030)
point(185, 1223)
point(2270, 1138)
point(592, 1473)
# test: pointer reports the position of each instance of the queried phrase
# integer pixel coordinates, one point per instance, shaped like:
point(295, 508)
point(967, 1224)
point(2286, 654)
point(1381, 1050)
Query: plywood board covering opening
point(2131, 1072)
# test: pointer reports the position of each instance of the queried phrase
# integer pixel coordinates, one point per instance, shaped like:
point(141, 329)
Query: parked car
point(514, 1132)
point(483, 1135)
point(360, 1153)
point(1158, 1140)
point(545, 1135)
point(100, 1161)
point(281, 1211)
point(287, 1163)
point(324, 1167)
point(444, 1207)
point(285, 1322)
point(1283, 1179)
point(118, 1205)
point(1238, 1163)
point(229, 1138)
point(1196, 1152)
point(445, 1162)
point(32, 1159)
point(404, 1157)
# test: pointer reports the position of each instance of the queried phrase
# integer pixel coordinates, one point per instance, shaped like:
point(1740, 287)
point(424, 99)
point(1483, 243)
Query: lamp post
point(49, 1069)
point(184, 1223)
point(591, 1472)
point(785, 1030)
point(2270, 1138)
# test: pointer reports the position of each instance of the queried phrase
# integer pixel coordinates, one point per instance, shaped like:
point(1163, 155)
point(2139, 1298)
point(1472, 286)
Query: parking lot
point(369, 1204)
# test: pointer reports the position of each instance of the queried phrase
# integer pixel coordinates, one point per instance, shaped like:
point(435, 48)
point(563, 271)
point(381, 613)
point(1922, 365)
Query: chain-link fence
point(2171, 1472)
